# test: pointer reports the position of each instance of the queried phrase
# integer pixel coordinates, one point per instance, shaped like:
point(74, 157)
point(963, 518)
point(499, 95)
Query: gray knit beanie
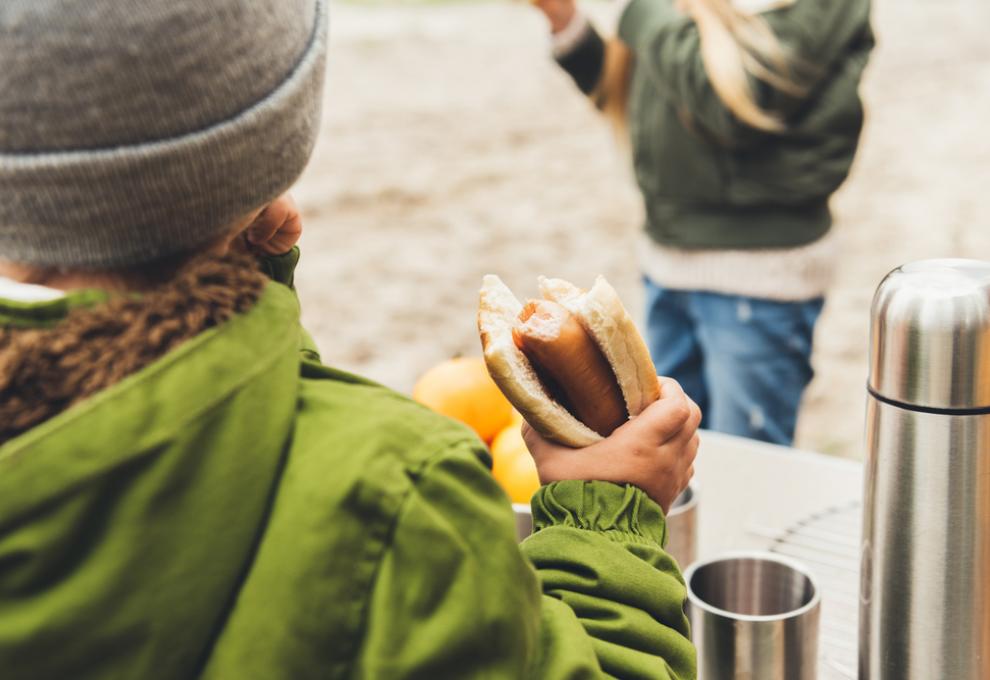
point(135, 129)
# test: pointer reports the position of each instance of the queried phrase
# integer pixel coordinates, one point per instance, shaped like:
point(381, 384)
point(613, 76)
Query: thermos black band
point(982, 411)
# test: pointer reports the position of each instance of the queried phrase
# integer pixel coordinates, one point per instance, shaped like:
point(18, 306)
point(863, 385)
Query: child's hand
point(654, 451)
point(558, 12)
point(277, 228)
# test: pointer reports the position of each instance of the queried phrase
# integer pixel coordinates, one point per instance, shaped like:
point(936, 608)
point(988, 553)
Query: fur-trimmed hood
point(44, 371)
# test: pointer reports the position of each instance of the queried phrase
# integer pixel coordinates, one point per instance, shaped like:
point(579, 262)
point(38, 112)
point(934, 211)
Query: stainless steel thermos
point(925, 579)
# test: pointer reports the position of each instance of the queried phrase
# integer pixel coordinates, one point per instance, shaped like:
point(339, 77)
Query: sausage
point(565, 356)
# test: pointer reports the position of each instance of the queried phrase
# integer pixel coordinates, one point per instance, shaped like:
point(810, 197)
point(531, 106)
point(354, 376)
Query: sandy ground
point(452, 147)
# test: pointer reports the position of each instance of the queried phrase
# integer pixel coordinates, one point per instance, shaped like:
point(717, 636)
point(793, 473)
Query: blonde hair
point(612, 94)
point(736, 46)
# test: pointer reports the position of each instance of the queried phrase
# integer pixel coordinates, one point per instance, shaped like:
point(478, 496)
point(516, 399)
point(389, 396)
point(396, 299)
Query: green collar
point(49, 312)
point(143, 407)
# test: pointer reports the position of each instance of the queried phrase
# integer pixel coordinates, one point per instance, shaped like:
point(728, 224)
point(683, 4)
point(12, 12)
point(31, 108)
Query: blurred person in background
point(743, 118)
point(185, 490)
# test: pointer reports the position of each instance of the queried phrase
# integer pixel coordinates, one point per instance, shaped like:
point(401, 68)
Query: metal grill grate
point(828, 543)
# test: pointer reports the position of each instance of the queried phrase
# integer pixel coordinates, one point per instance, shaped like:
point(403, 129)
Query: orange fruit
point(512, 466)
point(462, 389)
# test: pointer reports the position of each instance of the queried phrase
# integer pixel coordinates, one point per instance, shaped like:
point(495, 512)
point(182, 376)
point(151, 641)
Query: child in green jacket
point(743, 118)
point(185, 490)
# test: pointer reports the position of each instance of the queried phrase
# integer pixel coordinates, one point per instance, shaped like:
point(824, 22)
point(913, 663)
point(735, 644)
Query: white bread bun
point(606, 320)
point(602, 315)
point(498, 312)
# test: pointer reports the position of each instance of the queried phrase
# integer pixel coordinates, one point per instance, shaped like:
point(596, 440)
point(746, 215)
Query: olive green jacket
point(710, 181)
point(237, 511)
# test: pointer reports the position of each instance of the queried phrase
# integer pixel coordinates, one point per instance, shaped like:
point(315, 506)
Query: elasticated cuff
point(599, 506)
point(585, 59)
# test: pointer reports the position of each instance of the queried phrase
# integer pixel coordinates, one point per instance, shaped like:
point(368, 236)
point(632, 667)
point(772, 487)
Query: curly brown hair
point(44, 371)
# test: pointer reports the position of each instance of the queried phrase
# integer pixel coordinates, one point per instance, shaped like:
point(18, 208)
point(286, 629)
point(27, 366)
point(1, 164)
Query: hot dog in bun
point(572, 363)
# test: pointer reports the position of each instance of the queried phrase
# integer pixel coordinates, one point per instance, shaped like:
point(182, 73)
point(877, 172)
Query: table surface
point(748, 489)
point(752, 496)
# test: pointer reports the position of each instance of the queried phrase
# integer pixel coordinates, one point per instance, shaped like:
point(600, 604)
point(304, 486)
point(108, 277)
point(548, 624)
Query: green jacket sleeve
point(598, 551)
point(817, 33)
point(455, 598)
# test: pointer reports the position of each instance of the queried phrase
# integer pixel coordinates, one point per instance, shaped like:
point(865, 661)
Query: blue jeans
point(745, 361)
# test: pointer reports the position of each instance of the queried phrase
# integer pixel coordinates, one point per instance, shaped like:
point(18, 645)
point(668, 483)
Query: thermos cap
point(930, 335)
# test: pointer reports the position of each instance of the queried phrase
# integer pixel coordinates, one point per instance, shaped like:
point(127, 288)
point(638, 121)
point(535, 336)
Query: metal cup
point(524, 520)
point(754, 616)
point(682, 525)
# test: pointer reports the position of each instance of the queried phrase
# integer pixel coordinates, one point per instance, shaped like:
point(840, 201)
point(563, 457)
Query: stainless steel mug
point(754, 616)
point(524, 520)
point(682, 525)
point(925, 578)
